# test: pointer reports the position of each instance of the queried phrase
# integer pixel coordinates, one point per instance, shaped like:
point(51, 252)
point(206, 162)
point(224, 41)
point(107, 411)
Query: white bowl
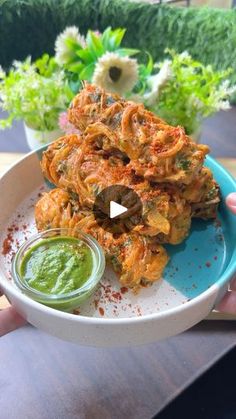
point(157, 312)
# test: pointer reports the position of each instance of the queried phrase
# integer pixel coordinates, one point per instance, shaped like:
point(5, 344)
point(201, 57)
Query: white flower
point(2, 73)
point(220, 97)
point(156, 82)
point(226, 89)
point(184, 55)
point(63, 51)
point(194, 102)
point(116, 74)
point(223, 105)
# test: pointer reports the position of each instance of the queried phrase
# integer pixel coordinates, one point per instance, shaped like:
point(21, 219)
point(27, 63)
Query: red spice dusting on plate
point(7, 244)
point(123, 290)
point(116, 295)
point(208, 264)
point(139, 311)
point(217, 223)
point(215, 257)
point(76, 312)
point(101, 311)
point(24, 226)
point(96, 304)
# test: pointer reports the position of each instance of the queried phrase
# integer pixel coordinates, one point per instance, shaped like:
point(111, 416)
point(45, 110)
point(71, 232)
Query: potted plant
point(35, 93)
point(184, 91)
point(181, 90)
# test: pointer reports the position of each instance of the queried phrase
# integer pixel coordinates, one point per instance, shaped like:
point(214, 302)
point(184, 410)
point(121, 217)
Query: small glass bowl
point(67, 301)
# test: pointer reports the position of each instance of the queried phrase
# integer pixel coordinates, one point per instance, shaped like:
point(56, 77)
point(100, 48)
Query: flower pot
point(36, 139)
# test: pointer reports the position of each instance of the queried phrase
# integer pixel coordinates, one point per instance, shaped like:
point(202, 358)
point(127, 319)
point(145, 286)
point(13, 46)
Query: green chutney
point(57, 265)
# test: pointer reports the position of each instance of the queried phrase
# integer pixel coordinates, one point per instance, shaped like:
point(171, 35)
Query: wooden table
point(45, 378)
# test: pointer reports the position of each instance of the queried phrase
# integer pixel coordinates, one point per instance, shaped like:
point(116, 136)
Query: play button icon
point(118, 209)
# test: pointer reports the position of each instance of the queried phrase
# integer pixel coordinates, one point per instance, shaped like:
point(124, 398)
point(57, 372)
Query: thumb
point(231, 202)
point(228, 303)
point(10, 320)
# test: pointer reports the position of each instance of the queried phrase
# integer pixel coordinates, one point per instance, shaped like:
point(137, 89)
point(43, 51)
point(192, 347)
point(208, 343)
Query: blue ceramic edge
point(230, 271)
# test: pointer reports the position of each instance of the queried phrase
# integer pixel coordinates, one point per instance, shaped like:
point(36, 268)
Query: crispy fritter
point(77, 167)
point(203, 194)
point(157, 151)
point(136, 258)
point(121, 143)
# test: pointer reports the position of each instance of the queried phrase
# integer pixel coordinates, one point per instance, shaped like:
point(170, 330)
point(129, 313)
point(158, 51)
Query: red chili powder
point(101, 311)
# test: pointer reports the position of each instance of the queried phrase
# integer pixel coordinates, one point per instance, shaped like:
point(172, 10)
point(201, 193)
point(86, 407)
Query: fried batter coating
point(203, 194)
point(84, 172)
point(157, 151)
point(121, 143)
point(137, 259)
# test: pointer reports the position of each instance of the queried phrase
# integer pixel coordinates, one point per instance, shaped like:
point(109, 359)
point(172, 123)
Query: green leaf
point(74, 86)
point(150, 63)
point(127, 51)
point(114, 40)
point(86, 56)
point(105, 37)
point(75, 67)
point(46, 65)
point(87, 72)
point(72, 44)
point(118, 35)
point(94, 44)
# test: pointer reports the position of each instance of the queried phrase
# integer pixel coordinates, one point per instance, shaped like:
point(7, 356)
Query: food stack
point(122, 143)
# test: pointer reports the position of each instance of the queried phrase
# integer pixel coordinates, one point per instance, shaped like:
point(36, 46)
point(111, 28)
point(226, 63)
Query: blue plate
point(208, 255)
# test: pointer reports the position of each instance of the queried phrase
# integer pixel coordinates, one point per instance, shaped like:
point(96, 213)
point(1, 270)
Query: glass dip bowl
point(66, 299)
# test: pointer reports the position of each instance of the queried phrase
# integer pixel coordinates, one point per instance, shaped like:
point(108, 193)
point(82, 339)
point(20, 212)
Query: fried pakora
point(137, 259)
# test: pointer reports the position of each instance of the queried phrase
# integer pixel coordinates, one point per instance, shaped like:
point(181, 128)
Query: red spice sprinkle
point(123, 290)
point(7, 244)
point(215, 257)
point(116, 295)
point(16, 228)
point(101, 311)
point(217, 223)
point(208, 264)
point(24, 226)
point(96, 304)
point(139, 311)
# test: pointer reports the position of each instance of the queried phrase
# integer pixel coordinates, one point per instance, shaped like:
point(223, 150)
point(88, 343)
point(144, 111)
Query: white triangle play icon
point(116, 209)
